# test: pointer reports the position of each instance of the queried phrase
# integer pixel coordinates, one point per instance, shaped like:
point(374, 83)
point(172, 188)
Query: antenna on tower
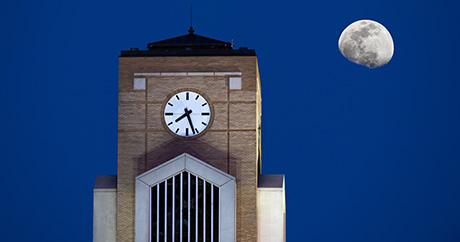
point(191, 20)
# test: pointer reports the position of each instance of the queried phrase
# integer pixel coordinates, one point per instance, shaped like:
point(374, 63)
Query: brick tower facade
point(229, 80)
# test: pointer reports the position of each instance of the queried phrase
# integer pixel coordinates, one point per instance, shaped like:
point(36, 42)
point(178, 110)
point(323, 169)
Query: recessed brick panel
point(160, 87)
point(243, 146)
point(243, 115)
point(130, 145)
point(238, 95)
point(131, 96)
point(154, 116)
point(131, 116)
point(220, 116)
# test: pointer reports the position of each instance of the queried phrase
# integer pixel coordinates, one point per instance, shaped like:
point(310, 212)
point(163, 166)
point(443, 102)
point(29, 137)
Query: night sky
point(368, 154)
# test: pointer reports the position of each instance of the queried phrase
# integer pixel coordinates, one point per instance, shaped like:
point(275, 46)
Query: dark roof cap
point(106, 182)
point(190, 40)
point(189, 45)
point(272, 181)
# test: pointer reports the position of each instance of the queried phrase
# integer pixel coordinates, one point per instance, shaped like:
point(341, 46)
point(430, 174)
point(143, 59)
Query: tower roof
point(189, 45)
point(189, 41)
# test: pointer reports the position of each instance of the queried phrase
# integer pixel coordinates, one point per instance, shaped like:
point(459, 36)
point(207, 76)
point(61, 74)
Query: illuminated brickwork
point(231, 144)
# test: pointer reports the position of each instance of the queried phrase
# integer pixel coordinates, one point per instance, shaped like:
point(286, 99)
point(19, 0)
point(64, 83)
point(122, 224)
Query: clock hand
point(183, 115)
point(190, 121)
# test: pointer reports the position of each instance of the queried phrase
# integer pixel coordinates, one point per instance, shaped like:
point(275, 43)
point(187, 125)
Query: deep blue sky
point(369, 155)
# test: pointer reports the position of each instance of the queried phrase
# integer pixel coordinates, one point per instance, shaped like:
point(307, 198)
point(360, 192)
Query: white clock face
point(187, 114)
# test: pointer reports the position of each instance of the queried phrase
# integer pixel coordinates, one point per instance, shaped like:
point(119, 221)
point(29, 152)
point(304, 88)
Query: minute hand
point(190, 120)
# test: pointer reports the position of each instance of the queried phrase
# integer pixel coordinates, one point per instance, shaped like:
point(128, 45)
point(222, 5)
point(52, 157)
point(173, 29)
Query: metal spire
point(191, 20)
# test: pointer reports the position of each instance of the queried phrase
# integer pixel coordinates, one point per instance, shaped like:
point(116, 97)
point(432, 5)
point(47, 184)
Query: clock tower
point(189, 166)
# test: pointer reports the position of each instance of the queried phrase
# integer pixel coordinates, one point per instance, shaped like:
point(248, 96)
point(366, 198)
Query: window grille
point(184, 208)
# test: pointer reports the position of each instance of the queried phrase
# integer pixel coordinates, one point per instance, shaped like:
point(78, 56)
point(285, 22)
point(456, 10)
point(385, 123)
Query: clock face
point(187, 114)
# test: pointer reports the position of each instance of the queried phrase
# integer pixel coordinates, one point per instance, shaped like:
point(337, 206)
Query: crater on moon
point(366, 42)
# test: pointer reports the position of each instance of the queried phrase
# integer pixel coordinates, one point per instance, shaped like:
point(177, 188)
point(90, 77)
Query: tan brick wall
point(243, 167)
point(130, 145)
point(230, 143)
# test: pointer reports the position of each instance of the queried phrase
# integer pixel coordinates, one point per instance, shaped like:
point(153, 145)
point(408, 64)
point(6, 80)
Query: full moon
point(366, 42)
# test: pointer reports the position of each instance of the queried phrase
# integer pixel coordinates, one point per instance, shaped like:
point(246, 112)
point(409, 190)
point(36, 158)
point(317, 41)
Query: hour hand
point(181, 117)
point(187, 112)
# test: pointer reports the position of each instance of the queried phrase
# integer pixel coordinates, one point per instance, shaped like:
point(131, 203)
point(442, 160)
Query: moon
point(366, 42)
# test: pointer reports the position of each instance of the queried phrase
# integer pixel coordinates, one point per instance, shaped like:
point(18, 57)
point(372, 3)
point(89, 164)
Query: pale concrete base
point(271, 214)
point(104, 214)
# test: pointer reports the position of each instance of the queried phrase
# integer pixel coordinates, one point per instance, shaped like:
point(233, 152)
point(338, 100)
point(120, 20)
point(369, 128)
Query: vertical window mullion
point(158, 212)
point(166, 209)
point(150, 217)
point(151, 213)
point(196, 210)
point(188, 208)
point(204, 210)
point(169, 209)
point(212, 212)
point(218, 213)
point(181, 205)
point(173, 207)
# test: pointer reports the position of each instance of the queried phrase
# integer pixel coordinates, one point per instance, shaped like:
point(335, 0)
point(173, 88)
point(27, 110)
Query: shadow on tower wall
point(197, 148)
